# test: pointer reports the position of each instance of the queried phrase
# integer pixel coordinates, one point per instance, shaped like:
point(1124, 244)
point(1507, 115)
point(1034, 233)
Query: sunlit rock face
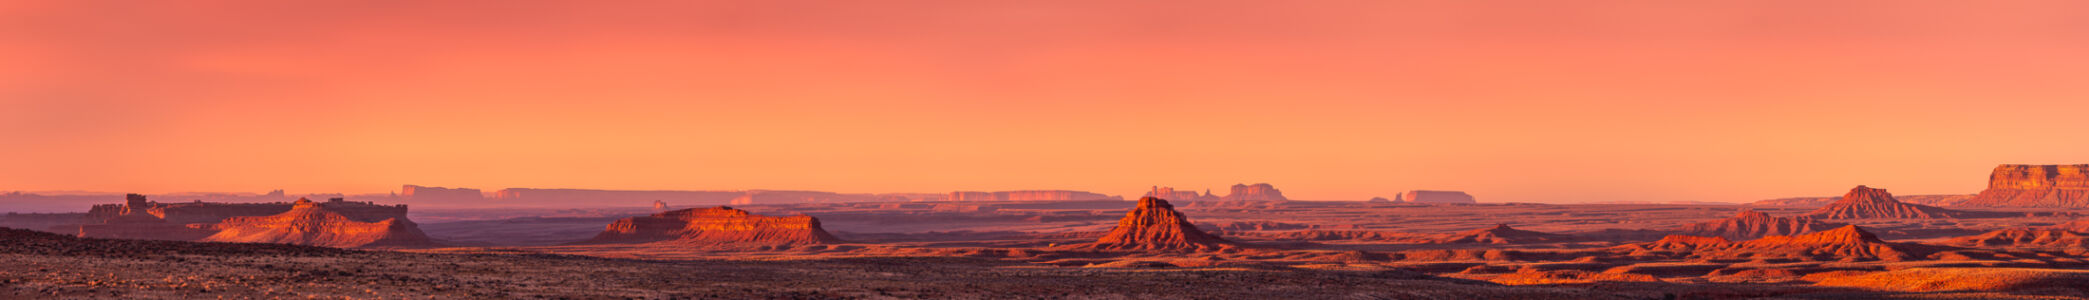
point(715, 226)
point(308, 223)
point(1155, 225)
point(2035, 186)
point(1864, 202)
point(1255, 192)
point(1421, 196)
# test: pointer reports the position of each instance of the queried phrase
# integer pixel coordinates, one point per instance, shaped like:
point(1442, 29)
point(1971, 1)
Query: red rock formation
point(310, 224)
point(1420, 196)
point(1749, 224)
point(660, 206)
point(1255, 192)
point(1867, 203)
point(1378, 200)
point(1155, 225)
point(1502, 234)
point(2035, 186)
point(2024, 238)
point(717, 226)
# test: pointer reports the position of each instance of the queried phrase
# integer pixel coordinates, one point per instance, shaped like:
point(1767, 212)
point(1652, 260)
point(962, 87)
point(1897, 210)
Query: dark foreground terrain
point(41, 265)
point(35, 265)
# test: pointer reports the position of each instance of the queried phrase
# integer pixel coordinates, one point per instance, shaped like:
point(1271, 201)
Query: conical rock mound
point(1869, 203)
point(310, 224)
point(1155, 225)
point(716, 226)
point(1750, 224)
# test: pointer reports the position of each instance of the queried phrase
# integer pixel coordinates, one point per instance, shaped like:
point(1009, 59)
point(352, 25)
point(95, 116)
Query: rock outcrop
point(1750, 224)
point(1154, 225)
point(308, 223)
point(1255, 192)
point(1421, 196)
point(1379, 200)
point(717, 226)
point(2035, 186)
point(1869, 203)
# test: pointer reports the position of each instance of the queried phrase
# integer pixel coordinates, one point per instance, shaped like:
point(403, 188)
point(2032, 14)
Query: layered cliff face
point(310, 224)
point(1255, 192)
point(2035, 186)
point(1420, 196)
point(1155, 225)
point(716, 226)
point(1868, 203)
point(1749, 224)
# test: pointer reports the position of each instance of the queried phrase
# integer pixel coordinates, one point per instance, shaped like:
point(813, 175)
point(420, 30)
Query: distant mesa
point(1179, 196)
point(1750, 224)
point(1379, 200)
point(659, 205)
point(1154, 225)
point(1255, 192)
point(1239, 192)
point(1422, 196)
point(2035, 186)
point(425, 193)
point(716, 226)
point(1031, 195)
point(1865, 202)
point(308, 223)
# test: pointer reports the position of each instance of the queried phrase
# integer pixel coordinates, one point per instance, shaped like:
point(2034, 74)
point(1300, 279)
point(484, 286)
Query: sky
point(1525, 101)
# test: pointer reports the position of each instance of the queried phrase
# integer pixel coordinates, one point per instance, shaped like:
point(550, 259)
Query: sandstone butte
point(2035, 186)
point(1868, 203)
point(308, 223)
point(1750, 224)
point(1154, 225)
point(716, 226)
point(1845, 243)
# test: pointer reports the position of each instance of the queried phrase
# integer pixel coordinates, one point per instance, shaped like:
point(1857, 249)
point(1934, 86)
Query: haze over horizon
point(1511, 101)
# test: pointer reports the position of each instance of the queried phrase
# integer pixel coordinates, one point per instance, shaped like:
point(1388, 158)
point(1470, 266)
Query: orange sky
point(1538, 101)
